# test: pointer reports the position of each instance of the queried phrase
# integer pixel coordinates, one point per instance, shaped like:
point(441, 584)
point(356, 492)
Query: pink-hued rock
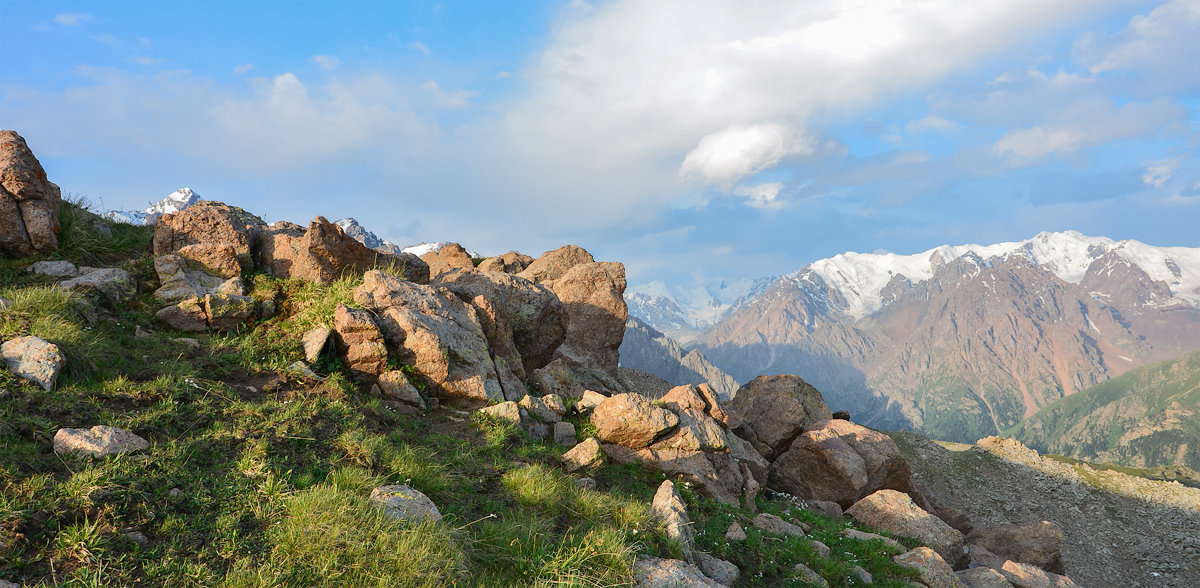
point(28, 201)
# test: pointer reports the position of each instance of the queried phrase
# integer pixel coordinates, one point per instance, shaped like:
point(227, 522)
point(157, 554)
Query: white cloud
point(326, 61)
point(447, 98)
point(419, 47)
point(726, 156)
point(107, 40)
point(72, 19)
point(761, 195)
point(1160, 172)
point(1165, 39)
point(504, 75)
point(242, 69)
point(1090, 122)
point(144, 60)
point(932, 123)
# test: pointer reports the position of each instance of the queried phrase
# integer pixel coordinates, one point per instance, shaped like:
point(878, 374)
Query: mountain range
point(172, 203)
point(962, 341)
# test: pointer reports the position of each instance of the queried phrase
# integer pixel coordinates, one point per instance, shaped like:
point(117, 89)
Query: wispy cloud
point(72, 19)
point(242, 69)
point(1160, 172)
point(932, 123)
point(1092, 122)
point(326, 61)
point(447, 98)
point(107, 40)
point(419, 47)
point(146, 60)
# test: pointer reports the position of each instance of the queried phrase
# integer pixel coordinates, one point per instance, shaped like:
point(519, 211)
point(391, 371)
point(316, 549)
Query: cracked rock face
point(28, 201)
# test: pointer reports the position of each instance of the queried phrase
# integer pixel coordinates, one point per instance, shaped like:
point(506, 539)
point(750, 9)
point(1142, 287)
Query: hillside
point(1146, 417)
point(648, 350)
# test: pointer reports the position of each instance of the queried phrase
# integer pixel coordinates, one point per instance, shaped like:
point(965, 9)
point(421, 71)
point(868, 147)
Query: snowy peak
point(356, 230)
point(424, 248)
point(174, 202)
point(861, 278)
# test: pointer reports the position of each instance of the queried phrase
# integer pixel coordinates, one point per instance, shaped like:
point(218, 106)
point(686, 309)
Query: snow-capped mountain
point(424, 248)
point(861, 278)
point(682, 312)
point(366, 237)
point(174, 202)
point(964, 341)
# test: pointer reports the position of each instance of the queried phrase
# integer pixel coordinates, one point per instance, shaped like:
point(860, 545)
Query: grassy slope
point(256, 477)
point(1141, 418)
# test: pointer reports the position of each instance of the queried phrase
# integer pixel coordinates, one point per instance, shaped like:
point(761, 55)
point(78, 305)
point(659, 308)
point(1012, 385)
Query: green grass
point(249, 485)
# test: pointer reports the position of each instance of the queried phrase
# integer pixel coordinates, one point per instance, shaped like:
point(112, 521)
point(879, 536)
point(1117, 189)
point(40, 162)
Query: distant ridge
point(172, 203)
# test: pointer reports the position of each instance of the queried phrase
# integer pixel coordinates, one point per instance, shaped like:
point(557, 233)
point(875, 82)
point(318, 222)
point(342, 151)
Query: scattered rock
point(721, 571)
point(186, 315)
point(136, 536)
point(114, 285)
point(564, 433)
point(509, 263)
point(448, 257)
point(362, 340)
point(55, 269)
point(863, 575)
point(180, 282)
point(583, 455)
point(302, 369)
point(507, 410)
point(557, 378)
point(394, 384)
point(437, 333)
point(548, 408)
point(825, 507)
point(215, 259)
point(226, 312)
point(668, 508)
point(771, 411)
point(735, 532)
point(28, 201)
point(315, 341)
point(934, 570)
point(33, 359)
point(820, 548)
point(747, 455)
point(187, 342)
point(1039, 544)
point(404, 503)
point(586, 483)
point(1024, 575)
point(631, 420)
point(98, 441)
point(652, 572)
point(809, 575)
point(864, 536)
point(773, 524)
point(696, 432)
point(896, 512)
point(982, 577)
point(590, 400)
point(841, 415)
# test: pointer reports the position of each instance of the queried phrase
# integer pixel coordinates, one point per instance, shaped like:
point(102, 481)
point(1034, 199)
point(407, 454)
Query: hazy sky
point(691, 140)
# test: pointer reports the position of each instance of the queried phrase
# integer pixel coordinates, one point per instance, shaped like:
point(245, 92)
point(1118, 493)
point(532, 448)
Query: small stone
point(140, 333)
point(299, 367)
point(652, 572)
point(735, 532)
point(982, 577)
point(774, 524)
point(33, 359)
point(584, 455)
point(175, 493)
point(137, 537)
point(55, 269)
point(591, 399)
point(394, 384)
point(405, 503)
point(540, 410)
point(115, 285)
point(99, 441)
point(564, 433)
point(722, 571)
point(820, 548)
point(507, 410)
point(267, 309)
point(863, 536)
point(586, 483)
point(809, 575)
point(187, 342)
point(842, 415)
point(863, 575)
point(314, 342)
point(7, 584)
point(825, 507)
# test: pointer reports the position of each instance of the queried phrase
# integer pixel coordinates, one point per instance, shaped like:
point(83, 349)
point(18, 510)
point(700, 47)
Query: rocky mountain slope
point(1146, 417)
point(961, 342)
point(648, 350)
point(366, 237)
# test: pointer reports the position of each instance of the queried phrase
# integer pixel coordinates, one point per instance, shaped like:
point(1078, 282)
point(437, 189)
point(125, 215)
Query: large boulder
point(552, 265)
point(631, 420)
point(33, 359)
point(842, 462)
point(324, 252)
point(771, 411)
point(181, 279)
point(435, 332)
point(28, 201)
point(897, 513)
point(1038, 544)
point(208, 231)
point(509, 263)
point(594, 294)
point(447, 257)
point(536, 315)
point(934, 571)
point(510, 370)
point(652, 572)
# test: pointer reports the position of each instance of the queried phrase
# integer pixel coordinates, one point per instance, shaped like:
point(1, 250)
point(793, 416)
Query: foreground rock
point(435, 332)
point(652, 572)
point(668, 508)
point(447, 257)
point(934, 570)
point(897, 513)
point(98, 441)
point(842, 462)
point(771, 411)
point(207, 233)
point(509, 263)
point(33, 359)
point(405, 503)
point(28, 201)
point(361, 342)
point(632, 421)
point(220, 312)
point(324, 252)
point(180, 280)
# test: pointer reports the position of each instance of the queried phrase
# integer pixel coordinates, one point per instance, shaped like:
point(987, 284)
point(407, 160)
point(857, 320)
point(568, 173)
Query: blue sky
point(694, 141)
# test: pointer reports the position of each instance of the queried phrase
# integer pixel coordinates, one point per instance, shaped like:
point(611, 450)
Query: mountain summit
point(172, 203)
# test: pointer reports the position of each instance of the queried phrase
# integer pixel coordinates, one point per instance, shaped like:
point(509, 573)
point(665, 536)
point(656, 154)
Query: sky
point(695, 141)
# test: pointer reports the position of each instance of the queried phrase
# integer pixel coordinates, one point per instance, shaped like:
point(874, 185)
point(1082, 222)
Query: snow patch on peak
point(424, 248)
point(172, 203)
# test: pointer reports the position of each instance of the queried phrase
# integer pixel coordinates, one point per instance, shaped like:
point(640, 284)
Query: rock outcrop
point(447, 257)
point(509, 263)
point(28, 201)
point(324, 252)
point(897, 513)
point(771, 411)
point(1038, 544)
